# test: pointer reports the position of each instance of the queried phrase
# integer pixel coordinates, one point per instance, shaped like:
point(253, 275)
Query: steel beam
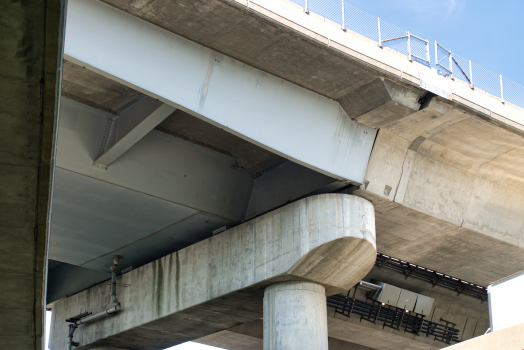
point(147, 124)
point(284, 118)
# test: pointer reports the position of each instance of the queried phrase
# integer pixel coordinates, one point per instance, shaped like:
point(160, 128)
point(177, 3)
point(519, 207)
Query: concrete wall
point(511, 338)
point(31, 56)
point(218, 283)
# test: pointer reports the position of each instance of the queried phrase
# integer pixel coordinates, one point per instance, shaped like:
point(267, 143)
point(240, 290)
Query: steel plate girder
point(282, 117)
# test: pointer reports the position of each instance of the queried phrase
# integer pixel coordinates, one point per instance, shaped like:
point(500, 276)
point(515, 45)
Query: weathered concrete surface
point(94, 90)
point(218, 283)
point(511, 338)
point(343, 334)
point(233, 340)
point(448, 188)
point(31, 56)
point(295, 316)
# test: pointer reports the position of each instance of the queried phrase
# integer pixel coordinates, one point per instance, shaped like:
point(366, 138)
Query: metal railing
point(436, 278)
point(393, 317)
point(414, 47)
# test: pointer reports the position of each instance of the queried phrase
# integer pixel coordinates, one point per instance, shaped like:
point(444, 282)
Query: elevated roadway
point(179, 118)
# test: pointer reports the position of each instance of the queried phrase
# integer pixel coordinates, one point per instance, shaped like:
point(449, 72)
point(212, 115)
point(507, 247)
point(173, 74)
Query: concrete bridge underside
point(228, 111)
point(425, 143)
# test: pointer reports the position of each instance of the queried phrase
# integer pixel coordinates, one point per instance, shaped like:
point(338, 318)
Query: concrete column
point(30, 76)
point(295, 316)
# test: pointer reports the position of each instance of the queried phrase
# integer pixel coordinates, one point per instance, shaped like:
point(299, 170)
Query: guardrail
point(414, 47)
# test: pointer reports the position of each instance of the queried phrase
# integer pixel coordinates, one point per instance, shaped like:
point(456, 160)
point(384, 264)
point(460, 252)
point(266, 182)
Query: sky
point(485, 31)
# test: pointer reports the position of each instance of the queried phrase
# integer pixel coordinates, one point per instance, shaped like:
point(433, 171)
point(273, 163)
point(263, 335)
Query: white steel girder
point(282, 117)
point(139, 129)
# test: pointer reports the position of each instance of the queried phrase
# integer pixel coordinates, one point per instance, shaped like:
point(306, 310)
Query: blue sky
point(486, 32)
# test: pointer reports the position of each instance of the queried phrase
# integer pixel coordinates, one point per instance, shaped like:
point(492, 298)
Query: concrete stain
point(158, 272)
point(177, 280)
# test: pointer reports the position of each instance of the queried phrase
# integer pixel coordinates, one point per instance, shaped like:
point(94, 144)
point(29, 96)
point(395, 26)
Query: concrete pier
point(295, 316)
point(219, 283)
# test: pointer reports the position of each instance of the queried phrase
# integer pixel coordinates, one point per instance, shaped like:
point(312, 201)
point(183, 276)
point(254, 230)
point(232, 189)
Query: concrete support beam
point(140, 130)
point(219, 283)
point(381, 103)
point(436, 192)
point(30, 75)
point(295, 316)
point(284, 118)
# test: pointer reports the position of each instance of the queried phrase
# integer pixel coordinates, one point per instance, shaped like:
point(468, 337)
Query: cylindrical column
point(295, 316)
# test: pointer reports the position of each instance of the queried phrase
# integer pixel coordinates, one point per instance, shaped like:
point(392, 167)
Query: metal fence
point(393, 317)
point(414, 47)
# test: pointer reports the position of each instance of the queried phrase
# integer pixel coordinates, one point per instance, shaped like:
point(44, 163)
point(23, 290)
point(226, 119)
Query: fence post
point(451, 64)
point(379, 34)
point(470, 76)
point(428, 57)
point(501, 90)
point(343, 17)
point(436, 53)
point(409, 46)
point(306, 9)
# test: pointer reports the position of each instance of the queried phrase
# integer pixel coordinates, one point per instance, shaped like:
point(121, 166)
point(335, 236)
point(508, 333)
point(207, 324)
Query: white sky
point(185, 346)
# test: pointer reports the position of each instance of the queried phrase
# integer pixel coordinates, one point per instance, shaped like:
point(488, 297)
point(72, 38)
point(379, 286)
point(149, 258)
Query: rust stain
point(338, 136)
point(141, 239)
point(205, 85)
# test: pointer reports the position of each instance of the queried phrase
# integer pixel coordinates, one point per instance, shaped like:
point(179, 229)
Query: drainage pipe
point(70, 342)
point(95, 317)
point(91, 318)
point(369, 286)
point(114, 269)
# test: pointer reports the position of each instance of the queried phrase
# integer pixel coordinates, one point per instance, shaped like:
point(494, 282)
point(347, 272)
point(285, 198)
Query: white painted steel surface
point(275, 114)
point(159, 165)
point(131, 208)
point(506, 302)
point(93, 220)
point(134, 135)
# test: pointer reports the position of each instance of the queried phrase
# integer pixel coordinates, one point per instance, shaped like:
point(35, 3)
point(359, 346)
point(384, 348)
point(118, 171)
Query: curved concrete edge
point(218, 283)
point(339, 264)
